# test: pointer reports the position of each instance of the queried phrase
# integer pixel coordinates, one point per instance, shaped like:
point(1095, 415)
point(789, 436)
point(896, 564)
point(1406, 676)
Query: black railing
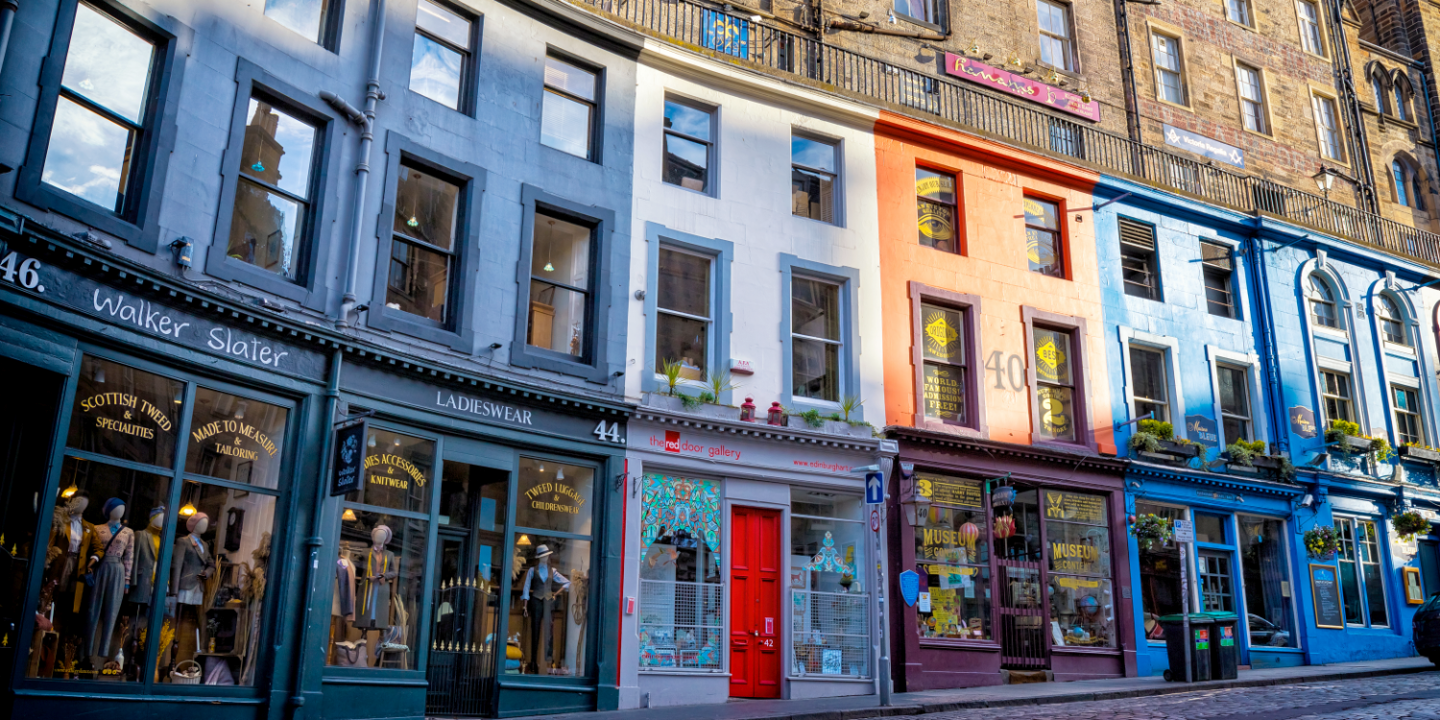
point(709, 30)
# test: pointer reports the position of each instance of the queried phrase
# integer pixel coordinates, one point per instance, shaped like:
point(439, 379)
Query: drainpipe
point(8, 8)
point(366, 122)
point(1127, 66)
point(1430, 114)
point(1265, 328)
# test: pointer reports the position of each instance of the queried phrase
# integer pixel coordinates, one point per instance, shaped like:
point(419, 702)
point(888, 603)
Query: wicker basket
point(183, 676)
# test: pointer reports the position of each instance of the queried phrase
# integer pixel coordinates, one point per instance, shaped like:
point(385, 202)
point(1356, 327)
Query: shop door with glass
point(755, 603)
point(465, 653)
point(1019, 538)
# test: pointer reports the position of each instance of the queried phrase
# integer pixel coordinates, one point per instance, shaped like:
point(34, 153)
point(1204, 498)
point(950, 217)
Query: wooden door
point(755, 620)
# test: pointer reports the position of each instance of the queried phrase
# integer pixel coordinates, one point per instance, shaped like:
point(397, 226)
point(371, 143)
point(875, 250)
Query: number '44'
point(25, 273)
point(608, 431)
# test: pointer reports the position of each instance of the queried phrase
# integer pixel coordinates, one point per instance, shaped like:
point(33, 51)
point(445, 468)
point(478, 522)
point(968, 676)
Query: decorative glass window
point(936, 209)
point(424, 244)
point(1310, 37)
point(567, 117)
point(689, 145)
point(683, 317)
point(1392, 322)
point(1042, 237)
point(1160, 591)
point(561, 286)
point(952, 556)
point(944, 358)
point(1238, 11)
point(1362, 579)
point(1252, 97)
point(271, 222)
point(1234, 384)
point(1218, 266)
point(1169, 73)
point(816, 347)
point(1139, 263)
point(1150, 382)
point(682, 588)
point(1322, 304)
point(1266, 573)
point(306, 17)
point(1056, 47)
point(829, 585)
point(1409, 427)
point(1082, 601)
point(814, 178)
point(1055, 384)
point(1335, 393)
point(1327, 122)
point(441, 61)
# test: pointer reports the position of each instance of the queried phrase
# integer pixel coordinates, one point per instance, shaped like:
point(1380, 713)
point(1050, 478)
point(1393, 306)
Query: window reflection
point(272, 195)
point(125, 413)
point(560, 286)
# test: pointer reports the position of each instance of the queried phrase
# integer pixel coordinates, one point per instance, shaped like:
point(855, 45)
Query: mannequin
point(147, 550)
point(111, 564)
point(344, 585)
point(71, 536)
point(379, 573)
point(192, 563)
point(540, 606)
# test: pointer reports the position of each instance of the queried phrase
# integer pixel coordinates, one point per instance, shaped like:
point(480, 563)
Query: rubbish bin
point(1200, 631)
point(1224, 647)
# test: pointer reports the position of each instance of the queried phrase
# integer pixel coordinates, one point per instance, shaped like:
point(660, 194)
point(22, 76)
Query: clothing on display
point(377, 584)
point(344, 589)
point(71, 539)
point(112, 576)
point(147, 554)
point(191, 565)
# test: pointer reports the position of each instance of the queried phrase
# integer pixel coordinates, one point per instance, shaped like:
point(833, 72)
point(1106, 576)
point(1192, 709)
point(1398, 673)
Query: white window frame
point(1259, 418)
point(1332, 134)
point(1313, 43)
point(1411, 384)
point(1169, 348)
point(1070, 61)
point(724, 583)
point(1160, 70)
point(1260, 102)
point(711, 358)
point(842, 357)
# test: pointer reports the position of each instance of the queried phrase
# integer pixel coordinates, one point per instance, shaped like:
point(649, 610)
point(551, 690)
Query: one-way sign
point(874, 488)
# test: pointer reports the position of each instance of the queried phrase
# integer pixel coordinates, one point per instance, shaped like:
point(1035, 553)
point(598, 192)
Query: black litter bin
point(1200, 633)
point(1224, 646)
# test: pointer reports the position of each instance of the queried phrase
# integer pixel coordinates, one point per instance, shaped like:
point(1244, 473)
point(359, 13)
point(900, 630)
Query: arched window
point(1401, 182)
point(1401, 101)
point(1322, 304)
point(1392, 322)
point(1377, 86)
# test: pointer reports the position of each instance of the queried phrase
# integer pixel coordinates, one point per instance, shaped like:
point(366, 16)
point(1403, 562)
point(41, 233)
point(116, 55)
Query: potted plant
point(1408, 524)
point(670, 398)
point(1241, 456)
point(1346, 436)
point(1155, 437)
point(1422, 453)
point(716, 384)
point(1322, 543)
point(1151, 530)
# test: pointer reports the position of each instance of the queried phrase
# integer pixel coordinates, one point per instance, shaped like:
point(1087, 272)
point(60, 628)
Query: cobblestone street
point(1403, 697)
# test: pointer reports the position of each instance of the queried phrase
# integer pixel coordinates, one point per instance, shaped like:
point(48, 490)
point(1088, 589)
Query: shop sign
point(909, 587)
point(1003, 497)
point(1302, 421)
point(1054, 411)
point(349, 458)
point(942, 491)
point(554, 496)
point(1075, 558)
point(1204, 146)
point(936, 221)
point(1021, 86)
point(831, 662)
point(235, 430)
point(1213, 495)
point(392, 471)
point(1075, 507)
point(944, 392)
point(1202, 430)
point(752, 455)
point(84, 295)
point(129, 406)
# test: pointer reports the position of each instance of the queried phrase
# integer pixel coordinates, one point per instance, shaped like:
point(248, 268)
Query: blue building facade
point(1212, 326)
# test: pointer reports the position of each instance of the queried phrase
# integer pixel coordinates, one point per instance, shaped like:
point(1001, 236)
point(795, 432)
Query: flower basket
point(1151, 530)
point(1322, 543)
point(1409, 524)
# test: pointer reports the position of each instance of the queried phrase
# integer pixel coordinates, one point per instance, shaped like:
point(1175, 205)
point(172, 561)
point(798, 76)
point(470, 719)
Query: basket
point(182, 676)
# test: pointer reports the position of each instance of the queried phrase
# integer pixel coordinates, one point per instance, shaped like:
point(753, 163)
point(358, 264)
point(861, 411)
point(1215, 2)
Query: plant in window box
point(1345, 436)
point(1408, 524)
point(1155, 437)
point(1151, 530)
point(1422, 453)
point(1322, 543)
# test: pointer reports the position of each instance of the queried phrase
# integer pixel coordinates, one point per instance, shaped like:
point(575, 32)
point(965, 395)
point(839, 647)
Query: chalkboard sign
point(1325, 596)
point(349, 458)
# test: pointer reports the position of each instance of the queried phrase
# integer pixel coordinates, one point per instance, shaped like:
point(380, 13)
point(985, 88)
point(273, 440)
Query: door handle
point(756, 633)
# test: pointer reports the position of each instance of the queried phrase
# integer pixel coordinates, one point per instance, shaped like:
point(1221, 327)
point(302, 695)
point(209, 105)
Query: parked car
point(1264, 633)
point(1427, 629)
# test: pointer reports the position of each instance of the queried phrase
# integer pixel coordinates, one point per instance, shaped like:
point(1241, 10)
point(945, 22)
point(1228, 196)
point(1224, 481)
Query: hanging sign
point(726, 34)
point(1302, 421)
point(349, 458)
point(1075, 507)
point(1021, 86)
point(1003, 497)
point(910, 587)
point(1202, 430)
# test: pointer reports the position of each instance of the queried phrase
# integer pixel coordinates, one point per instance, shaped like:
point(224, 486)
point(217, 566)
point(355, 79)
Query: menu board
point(1325, 589)
point(947, 491)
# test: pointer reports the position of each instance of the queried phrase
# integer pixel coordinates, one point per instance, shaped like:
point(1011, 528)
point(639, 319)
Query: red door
point(755, 603)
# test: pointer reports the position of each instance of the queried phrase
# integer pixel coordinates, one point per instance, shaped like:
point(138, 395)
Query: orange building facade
point(1010, 496)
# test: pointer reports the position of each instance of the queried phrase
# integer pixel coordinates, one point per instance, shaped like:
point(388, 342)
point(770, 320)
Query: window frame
point(1322, 48)
point(837, 178)
point(594, 137)
point(722, 256)
point(596, 367)
point(862, 560)
point(1207, 268)
point(1249, 21)
point(470, 57)
point(1401, 100)
point(330, 25)
point(138, 223)
point(457, 332)
point(1152, 261)
point(1061, 233)
point(720, 483)
point(936, 8)
point(309, 289)
point(1180, 71)
point(712, 155)
point(1417, 413)
point(1255, 391)
point(1079, 368)
point(1261, 102)
point(1332, 300)
point(975, 423)
point(1347, 397)
point(1248, 417)
point(1354, 522)
point(848, 279)
point(1400, 319)
point(1067, 42)
point(1134, 397)
point(1169, 348)
point(958, 230)
point(1320, 100)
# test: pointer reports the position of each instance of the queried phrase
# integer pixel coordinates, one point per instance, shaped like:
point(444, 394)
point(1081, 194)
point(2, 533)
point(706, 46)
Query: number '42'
point(25, 273)
point(608, 431)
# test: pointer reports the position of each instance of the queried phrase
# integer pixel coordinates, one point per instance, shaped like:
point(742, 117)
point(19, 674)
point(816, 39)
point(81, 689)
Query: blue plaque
point(1202, 430)
point(910, 587)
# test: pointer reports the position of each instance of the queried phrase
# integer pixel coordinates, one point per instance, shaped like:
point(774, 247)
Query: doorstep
point(934, 701)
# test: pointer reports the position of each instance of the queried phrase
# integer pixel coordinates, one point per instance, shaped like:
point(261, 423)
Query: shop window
point(1043, 243)
point(1335, 394)
point(568, 115)
point(236, 439)
point(1150, 382)
point(1266, 573)
point(682, 588)
point(1218, 267)
point(689, 146)
point(551, 585)
point(442, 61)
point(830, 602)
point(271, 223)
point(945, 373)
point(1082, 603)
point(1362, 577)
point(126, 414)
point(1055, 384)
point(952, 555)
point(815, 339)
point(397, 472)
point(1139, 263)
point(936, 208)
point(1234, 384)
point(1056, 45)
point(1217, 591)
point(561, 285)
point(1211, 529)
point(684, 314)
point(1160, 590)
point(424, 245)
point(309, 18)
point(815, 178)
point(1409, 427)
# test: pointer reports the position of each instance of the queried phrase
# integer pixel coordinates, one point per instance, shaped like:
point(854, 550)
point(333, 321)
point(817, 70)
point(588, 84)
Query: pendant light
point(560, 473)
point(412, 222)
point(348, 515)
point(99, 373)
point(371, 441)
point(240, 410)
point(69, 491)
point(524, 541)
point(550, 247)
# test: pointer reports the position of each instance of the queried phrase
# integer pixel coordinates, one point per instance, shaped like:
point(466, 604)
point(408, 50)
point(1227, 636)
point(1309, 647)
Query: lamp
point(747, 410)
point(187, 510)
point(524, 541)
point(917, 510)
point(1325, 179)
point(69, 491)
point(371, 441)
point(348, 515)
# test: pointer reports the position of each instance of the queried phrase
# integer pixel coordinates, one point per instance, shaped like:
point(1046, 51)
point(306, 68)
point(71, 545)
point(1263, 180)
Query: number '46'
point(608, 431)
point(26, 274)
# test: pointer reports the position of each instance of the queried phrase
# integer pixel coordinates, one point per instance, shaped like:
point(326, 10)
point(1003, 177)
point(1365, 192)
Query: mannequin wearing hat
point(147, 550)
point(71, 536)
point(538, 595)
point(111, 564)
point(380, 570)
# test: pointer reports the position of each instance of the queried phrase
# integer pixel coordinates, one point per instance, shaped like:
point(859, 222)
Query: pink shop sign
point(1006, 81)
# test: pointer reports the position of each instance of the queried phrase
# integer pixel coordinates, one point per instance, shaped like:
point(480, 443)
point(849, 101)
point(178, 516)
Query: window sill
point(1069, 74)
point(1241, 25)
point(1175, 105)
point(398, 321)
point(1267, 648)
point(832, 678)
point(537, 358)
point(815, 220)
point(920, 23)
point(675, 672)
point(1257, 133)
point(701, 193)
point(224, 267)
point(1327, 331)
point(52, 199)
point(1071, 650)
point(940, 426)
point(1316, 55)
point(959, 644)
point(1402, 350)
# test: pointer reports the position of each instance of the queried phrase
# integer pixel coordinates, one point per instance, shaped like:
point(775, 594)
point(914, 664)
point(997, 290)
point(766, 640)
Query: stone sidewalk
point(937, 701)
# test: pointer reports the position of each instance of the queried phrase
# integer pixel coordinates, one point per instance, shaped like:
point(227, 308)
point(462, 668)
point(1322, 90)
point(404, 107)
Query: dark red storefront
point(1017, 555)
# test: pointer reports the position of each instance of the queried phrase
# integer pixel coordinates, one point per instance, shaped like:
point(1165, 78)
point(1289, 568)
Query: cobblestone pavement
point(1402, 697)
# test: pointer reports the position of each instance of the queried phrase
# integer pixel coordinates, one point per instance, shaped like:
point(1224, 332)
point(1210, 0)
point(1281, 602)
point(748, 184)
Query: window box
point(1353, 445)
point(1235, 468)
point(1419, 454)
point(1179, 451)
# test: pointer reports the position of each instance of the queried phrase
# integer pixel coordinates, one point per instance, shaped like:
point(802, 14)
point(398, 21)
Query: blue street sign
point(874, 488)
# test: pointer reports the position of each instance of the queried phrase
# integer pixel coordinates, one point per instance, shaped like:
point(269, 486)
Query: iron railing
point(708, 30)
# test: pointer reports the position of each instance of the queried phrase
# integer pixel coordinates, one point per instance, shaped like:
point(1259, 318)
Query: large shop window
point(1160, 591)
point(1266, 574)
point(1082, 603)
point(379, 567)
point(952, 555)
point(829, 602)
point(682, 589)
point(106, 565)
point(1362, 575)
point(550, 572)
point(1055, 386)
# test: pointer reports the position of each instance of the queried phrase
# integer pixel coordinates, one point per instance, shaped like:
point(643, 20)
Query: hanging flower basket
point(1409, 524)
point(1322, 543)
point(1152, 530)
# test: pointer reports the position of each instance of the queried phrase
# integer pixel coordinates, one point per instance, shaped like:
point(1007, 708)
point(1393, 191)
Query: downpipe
point(8, 8)
point(366, 122)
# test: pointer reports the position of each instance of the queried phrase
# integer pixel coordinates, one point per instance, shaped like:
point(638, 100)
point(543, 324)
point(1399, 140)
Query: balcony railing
point(708, 30)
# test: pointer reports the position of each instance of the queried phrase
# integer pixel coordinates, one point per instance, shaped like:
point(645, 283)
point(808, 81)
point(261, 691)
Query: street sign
point(1184, 531)
point(874, 520)
point(874, 488)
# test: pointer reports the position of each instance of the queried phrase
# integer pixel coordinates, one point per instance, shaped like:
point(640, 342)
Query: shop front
point(469, 569)
point(750, 562)
point(1001, 565)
